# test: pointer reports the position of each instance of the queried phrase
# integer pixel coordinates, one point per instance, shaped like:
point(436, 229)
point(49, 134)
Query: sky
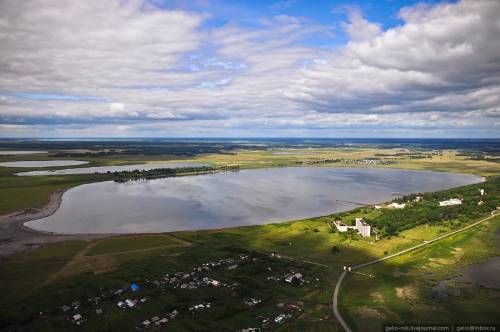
point(267, 68)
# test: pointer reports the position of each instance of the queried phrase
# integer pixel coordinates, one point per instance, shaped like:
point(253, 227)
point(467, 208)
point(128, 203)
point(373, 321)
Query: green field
point(402, 288)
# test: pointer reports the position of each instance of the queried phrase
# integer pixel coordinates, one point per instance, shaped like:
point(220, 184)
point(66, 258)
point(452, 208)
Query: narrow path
point(375, 261)
point(295, 259)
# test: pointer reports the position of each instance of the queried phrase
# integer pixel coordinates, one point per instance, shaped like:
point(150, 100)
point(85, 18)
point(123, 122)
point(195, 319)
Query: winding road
point(375, 261)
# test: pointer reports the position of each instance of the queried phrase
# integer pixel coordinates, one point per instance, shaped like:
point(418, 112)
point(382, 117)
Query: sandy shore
point(15, 237)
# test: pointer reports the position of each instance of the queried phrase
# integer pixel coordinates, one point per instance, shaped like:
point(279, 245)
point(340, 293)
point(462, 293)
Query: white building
point(482, 192)
point(452, 201)
point(341, 227)
point(418, 199)
point(395, 205)
point(363, 228)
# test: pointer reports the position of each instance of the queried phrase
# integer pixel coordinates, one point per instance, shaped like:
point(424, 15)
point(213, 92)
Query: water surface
point(247, 197)
point(105, 169)
point(485, 273)
point(20, 152)
point(43, 163)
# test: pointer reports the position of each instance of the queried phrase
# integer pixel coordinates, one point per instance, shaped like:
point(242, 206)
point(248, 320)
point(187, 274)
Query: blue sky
point(387, 68)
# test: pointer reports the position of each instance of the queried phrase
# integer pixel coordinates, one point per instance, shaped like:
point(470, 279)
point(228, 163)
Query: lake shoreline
point(16, 237)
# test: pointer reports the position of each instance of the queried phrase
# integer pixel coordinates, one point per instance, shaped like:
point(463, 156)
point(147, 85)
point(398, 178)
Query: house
point(200, 306)
point(451, 201)
point(162, 321)
point(130, 303)
point(378, 207)
point(395, 205)
point(173, 314)
point(480, 203)
point(482, 192)
point(77, 319)
point(363, 228)
point(296, 276)
point(281, 318)
point(418, 199)
point(253, 302)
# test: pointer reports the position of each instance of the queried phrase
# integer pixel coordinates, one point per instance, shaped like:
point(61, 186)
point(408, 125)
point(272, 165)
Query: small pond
point(486, 274)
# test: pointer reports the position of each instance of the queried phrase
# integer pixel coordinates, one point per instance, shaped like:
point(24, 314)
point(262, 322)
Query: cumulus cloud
point(359, 28)
point(148, 71)
point(442, 58)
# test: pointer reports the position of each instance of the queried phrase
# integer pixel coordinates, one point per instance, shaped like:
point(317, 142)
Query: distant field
point(446, 160)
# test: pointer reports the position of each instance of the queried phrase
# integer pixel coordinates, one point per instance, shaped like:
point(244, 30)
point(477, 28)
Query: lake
point(43, 163)
point(248, 197)
point(20, 152)
point(104, 169)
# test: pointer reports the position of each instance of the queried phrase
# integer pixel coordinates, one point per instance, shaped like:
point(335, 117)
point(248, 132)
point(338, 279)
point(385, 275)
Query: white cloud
point(157, 71)
point(360, 29)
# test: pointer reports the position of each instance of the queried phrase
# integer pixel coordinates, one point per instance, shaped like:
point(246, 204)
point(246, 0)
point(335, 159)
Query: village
point(213, 276)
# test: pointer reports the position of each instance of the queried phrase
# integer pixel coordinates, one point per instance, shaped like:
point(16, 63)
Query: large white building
point(452, 201)
point(363, 228)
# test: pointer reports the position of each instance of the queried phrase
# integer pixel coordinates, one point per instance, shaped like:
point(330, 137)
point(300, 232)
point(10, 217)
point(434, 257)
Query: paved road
point(335, 303)
point(375, 261)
